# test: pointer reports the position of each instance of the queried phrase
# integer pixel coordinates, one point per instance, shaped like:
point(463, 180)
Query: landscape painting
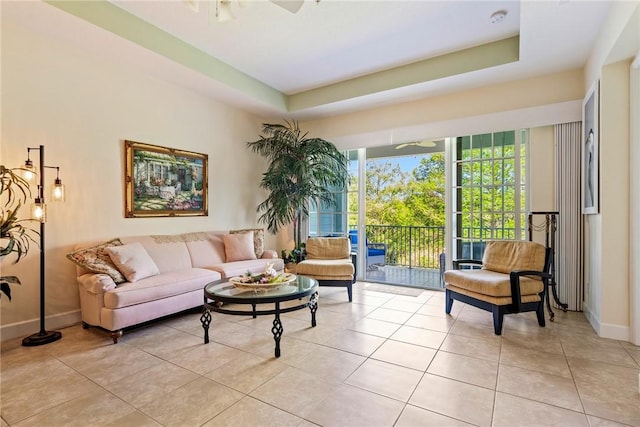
point(163, 181)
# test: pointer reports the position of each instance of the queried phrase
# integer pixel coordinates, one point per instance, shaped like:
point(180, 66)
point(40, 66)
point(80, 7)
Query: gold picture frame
point(162, 181)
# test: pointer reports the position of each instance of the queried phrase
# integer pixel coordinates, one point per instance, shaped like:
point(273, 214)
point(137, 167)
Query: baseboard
point(607, 330)
point(26, 328)
point(615, 332)
point(593, 320)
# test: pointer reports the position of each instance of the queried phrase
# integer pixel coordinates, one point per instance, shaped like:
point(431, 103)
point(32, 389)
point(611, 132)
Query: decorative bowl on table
point(263, 281)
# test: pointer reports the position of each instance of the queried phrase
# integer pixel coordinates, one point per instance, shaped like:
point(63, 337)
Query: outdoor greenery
point(15, 237)
point(406, 209)
point(394, 197)
point(300, 169)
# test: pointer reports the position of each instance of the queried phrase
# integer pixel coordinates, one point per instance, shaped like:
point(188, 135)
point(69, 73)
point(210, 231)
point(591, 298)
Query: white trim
point(592, 319)
point(614, 332)
point(28, 327)
point(634, 201)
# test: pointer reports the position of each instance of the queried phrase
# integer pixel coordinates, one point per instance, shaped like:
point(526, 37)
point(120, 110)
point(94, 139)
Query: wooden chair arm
point(516, 295)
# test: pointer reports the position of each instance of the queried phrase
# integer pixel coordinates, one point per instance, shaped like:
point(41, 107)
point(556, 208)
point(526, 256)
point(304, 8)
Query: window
point(489, 190)
point(335, 220)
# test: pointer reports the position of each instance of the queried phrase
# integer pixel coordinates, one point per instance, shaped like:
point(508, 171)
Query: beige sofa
point(131, 280)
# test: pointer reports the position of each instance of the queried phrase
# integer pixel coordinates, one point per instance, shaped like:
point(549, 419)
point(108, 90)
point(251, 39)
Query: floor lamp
point(38, 212)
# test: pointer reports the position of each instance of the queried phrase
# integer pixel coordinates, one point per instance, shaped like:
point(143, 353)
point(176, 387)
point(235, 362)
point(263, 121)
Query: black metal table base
point(277, 329)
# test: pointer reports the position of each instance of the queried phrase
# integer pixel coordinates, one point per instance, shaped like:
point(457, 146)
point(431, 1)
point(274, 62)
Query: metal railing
point(409, 246)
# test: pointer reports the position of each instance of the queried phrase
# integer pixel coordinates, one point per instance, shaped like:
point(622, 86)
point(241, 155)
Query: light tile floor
point(384, 360)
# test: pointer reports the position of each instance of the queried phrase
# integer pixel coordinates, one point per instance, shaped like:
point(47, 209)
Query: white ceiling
point(336, 40)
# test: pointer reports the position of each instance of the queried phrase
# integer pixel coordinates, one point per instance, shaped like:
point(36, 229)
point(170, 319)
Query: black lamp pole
point(44, 336)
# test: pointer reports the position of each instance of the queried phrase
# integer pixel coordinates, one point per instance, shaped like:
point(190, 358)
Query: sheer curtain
point(569, 248)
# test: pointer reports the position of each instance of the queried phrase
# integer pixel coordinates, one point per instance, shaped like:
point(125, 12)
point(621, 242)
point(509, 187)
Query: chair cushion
point(325, 269)
point(491, 299)
point(328, 248)
point(491, 283)
point(505, 256)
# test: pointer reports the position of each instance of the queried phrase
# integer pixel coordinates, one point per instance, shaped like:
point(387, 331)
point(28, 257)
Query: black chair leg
point(540, 313)
point(497, 320)
point(350, 292)
point(449, 302)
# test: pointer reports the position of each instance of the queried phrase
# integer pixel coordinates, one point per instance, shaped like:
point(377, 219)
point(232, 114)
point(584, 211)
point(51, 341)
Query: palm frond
point(300, 169)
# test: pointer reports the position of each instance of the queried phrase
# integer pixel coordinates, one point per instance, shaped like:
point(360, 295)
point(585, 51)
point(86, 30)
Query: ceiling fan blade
point(426, 143)
point(292, 6)
point(406, 144)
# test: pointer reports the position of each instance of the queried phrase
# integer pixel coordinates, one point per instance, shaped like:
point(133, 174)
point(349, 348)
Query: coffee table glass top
point(222, 289)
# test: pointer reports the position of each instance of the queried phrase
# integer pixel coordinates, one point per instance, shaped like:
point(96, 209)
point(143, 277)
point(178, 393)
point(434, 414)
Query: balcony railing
point(409, 246)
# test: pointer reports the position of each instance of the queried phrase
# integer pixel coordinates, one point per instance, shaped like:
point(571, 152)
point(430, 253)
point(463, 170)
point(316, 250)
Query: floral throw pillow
point(258, 239)
point(97, 260)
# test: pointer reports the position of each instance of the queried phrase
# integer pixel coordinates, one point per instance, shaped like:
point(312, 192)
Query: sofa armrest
point(269, 254)
point(96, 283)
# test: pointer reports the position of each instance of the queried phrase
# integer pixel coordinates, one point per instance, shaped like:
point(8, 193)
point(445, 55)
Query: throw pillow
point(96, 260)
point(239, 246)
point(258, 239)
point(133, 261)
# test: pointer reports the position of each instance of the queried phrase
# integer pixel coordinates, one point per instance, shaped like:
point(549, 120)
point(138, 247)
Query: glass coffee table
point(221, 292)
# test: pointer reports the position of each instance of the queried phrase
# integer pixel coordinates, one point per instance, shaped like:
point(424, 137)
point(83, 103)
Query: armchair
point(328, 260)
point(513, 278)
point(376, 252)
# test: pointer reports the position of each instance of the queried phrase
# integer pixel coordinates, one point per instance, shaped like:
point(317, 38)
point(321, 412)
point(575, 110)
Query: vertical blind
point(569, 248)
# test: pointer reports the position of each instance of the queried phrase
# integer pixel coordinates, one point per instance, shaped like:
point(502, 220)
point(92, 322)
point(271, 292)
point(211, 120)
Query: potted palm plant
point(15, 237)
point(300, 169)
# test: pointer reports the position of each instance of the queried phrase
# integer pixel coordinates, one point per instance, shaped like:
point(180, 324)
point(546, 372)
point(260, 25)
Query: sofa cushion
point(237, 268)
point(328, 248)
point(133, 261)
point(168, 252)
point(96, 260)
point(258, 239)
point(206, 251)
point(491, 283)
point(239, 247)
point(157, 287)
point(505, 256)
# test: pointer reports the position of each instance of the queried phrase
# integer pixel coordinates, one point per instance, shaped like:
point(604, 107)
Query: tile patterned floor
point(384, 360)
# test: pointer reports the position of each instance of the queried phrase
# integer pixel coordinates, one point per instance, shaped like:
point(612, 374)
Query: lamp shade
point(39, 211)
point(29, 173)
point(57, 191)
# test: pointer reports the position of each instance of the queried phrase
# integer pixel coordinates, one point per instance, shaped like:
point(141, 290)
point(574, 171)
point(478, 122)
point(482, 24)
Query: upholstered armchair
point(328, 260)
point(513, 278)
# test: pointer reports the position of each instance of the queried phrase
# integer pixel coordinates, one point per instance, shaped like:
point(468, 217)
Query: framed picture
point(163, 181)
point(591, 151)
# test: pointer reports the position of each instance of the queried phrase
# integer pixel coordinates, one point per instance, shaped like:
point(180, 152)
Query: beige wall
point(81, 109)
point(614, 200)
point(542, 161)
point(607, 281)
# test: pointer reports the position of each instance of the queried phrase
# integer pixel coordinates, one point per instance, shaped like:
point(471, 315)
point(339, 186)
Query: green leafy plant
point(300, 170)
point(295, 255)
point(15, 237)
